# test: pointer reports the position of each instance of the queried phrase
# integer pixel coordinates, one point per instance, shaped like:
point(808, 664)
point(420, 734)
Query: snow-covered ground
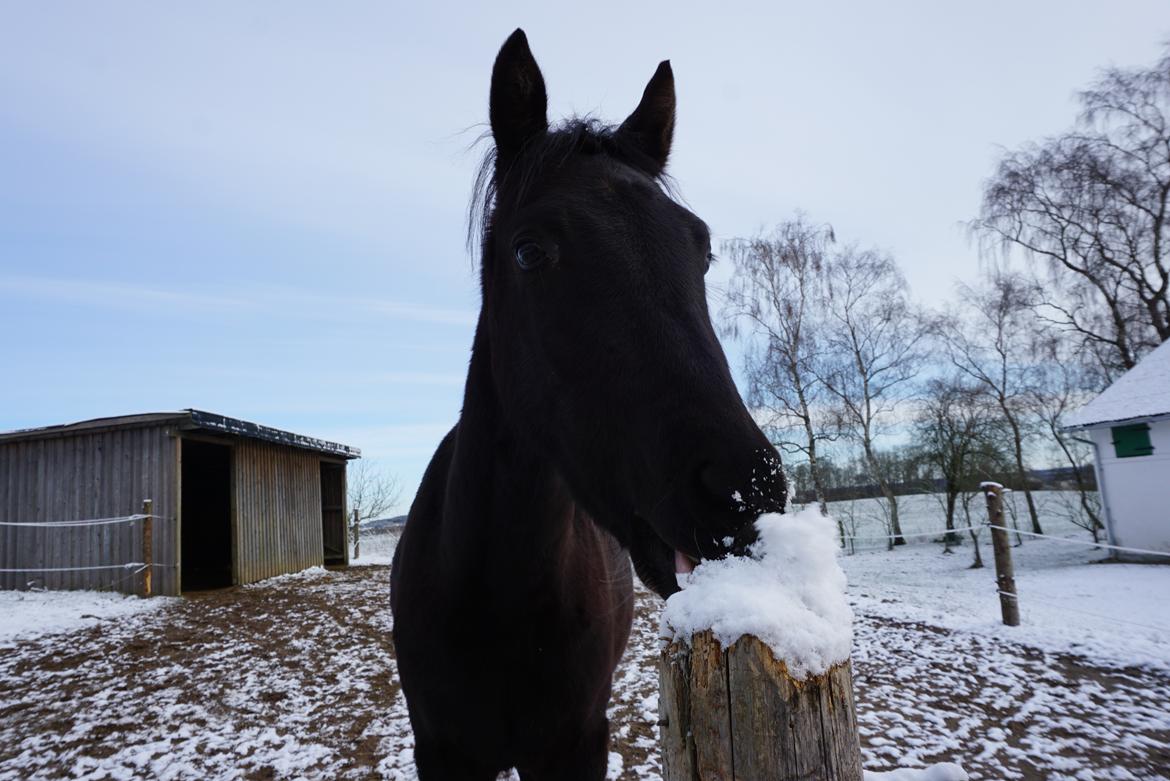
point(1072, 599)
point(1070, 602)
point(295, 677)
point(31, 613)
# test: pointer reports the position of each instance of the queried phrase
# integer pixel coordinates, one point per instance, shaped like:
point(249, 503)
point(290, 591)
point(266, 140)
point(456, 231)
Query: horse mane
point(575, 135)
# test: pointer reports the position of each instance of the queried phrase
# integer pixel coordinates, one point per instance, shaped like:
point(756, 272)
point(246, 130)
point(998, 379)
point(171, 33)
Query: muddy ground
point(294, 678)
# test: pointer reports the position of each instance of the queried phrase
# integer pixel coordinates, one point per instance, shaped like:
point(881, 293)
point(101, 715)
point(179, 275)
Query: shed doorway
point(206, 507)
point(333, 512)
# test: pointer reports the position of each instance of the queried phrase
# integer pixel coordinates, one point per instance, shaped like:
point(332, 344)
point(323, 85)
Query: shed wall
point(277, 500)
point(83, 476)
point(1137, 491)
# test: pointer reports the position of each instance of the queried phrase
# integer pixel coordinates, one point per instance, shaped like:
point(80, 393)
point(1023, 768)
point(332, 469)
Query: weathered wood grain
point(674, 714)
point(738, 715)
point(1005, 576)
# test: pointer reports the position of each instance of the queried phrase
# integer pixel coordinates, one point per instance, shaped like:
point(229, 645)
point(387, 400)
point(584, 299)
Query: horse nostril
point(758, 489)
point(718, 485)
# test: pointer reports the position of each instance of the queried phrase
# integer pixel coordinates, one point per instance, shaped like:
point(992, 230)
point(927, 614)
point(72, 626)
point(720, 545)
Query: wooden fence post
point(1005, 577)
point(737, 713)
point(357, 535)
point(148, 548)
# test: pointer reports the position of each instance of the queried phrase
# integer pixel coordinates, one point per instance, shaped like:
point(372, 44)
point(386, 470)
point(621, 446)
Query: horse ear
point(518, 105)
point(651, 126)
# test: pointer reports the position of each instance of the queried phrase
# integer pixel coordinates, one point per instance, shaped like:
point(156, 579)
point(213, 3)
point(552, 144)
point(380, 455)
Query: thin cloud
point(267, 301)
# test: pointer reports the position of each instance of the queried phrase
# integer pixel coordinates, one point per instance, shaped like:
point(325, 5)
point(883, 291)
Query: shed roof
point(188, 420)
point(1142, 393)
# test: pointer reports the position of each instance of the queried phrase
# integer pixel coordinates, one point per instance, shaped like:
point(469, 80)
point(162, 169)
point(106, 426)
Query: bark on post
point(357, 539)
point(1005, 577)
point(736, 714)
point(148, 548)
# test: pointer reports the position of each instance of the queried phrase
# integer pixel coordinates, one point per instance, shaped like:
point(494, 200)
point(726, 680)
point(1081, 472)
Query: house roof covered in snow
point(1142, 393)
point(189, 419)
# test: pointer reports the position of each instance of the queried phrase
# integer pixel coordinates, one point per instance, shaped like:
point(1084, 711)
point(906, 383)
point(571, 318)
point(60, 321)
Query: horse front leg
point(437, 762)
point(588, 760)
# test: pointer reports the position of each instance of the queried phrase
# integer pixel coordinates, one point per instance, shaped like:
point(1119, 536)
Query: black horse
point(599, 417)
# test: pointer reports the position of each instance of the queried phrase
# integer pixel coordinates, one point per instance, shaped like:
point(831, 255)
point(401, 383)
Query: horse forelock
point(497, 186)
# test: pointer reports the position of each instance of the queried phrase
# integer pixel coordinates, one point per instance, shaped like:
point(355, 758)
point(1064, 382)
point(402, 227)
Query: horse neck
point(505, 508)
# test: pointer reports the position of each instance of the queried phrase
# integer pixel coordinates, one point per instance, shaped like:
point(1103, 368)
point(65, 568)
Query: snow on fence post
point(147, 547)
point(755, 679)
point(1005, 577)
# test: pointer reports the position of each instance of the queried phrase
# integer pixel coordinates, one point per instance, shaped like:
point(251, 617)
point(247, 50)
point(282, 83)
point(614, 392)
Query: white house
point(1129, 424)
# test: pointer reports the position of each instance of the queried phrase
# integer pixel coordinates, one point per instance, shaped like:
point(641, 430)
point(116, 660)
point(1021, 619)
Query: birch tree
point(874, 339)
point(955, 430)
point(1092, 207)
point(776, 299)
point(991, 342)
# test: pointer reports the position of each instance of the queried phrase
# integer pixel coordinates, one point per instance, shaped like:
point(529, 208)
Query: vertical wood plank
point(710, 717)
point(674, 712)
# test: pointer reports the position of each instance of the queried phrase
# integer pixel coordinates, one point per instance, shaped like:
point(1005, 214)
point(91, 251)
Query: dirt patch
point(295, 678)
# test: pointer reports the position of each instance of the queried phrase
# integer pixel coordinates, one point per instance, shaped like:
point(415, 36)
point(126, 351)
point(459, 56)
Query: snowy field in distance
point(377, 548)
point(925, 513)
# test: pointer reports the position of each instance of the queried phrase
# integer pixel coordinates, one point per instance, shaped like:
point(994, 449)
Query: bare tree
point(993, 346)
point(972, 529)
point(1061, 386)
point(775, 298)
point(874, 342)
point(1091, 205)
point(372, 490)
point(954, 429)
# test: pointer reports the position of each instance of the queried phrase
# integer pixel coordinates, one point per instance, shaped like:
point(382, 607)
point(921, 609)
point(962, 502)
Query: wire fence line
point(87, 557)
point(127, 565)
point(1142, 551)
point(82, 522)
point(938, 533)
point(1101, 616)
point(1010, 530)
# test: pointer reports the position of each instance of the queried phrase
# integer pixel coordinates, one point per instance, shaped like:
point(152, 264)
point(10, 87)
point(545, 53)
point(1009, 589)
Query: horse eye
point(529, 255)
point(712, 258)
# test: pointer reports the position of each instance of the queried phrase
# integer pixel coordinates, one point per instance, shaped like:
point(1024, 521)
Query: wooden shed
point(232, 502)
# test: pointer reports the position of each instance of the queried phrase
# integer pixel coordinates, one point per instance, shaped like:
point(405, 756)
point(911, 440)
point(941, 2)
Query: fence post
point(731, 713)
point(357, 535)
point(148, 548)
point(1005, 577)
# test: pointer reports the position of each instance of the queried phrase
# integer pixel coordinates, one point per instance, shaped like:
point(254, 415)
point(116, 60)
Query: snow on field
point(377, 548)
point(1116, 614)
point(25, 614)
point(295, 677)
point(944, 771)
point(1071, 599)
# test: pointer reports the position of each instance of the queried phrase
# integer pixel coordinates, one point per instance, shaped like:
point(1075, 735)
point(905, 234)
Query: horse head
point(603, 354)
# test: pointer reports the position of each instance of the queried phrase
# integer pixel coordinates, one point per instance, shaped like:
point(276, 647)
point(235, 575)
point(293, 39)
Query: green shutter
point(1130, 441)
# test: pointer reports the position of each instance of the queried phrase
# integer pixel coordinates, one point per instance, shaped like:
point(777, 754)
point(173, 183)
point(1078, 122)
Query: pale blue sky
point(259, 210)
